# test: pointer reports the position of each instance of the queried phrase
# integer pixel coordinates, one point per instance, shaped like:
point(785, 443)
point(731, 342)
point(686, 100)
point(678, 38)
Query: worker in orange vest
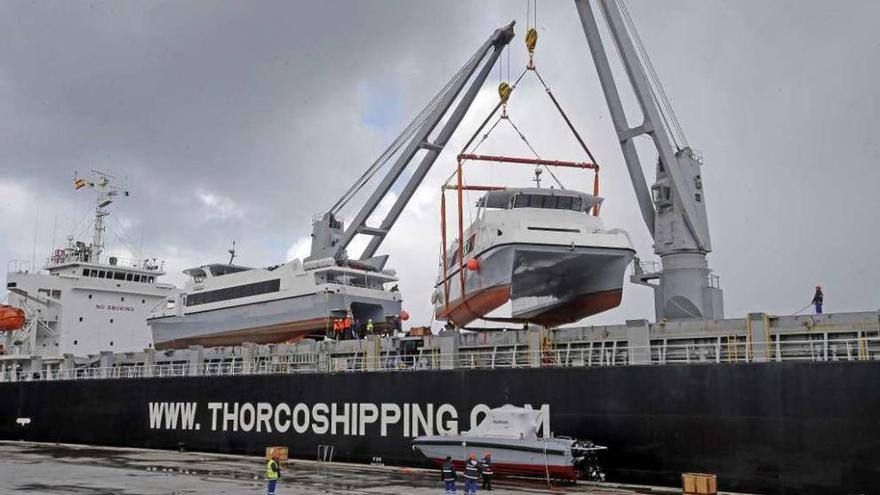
point(347, 325)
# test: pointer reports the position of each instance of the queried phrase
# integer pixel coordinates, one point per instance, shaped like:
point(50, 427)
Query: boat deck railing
point(600, 354)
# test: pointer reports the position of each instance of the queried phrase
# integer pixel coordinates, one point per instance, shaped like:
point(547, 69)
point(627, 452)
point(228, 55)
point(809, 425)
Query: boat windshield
point(550, 202)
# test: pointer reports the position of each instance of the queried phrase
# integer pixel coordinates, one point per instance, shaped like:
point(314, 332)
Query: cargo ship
point(771, 404)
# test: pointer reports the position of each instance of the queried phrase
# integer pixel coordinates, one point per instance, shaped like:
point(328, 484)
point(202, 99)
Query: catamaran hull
point(549, 285)
point(279, 320)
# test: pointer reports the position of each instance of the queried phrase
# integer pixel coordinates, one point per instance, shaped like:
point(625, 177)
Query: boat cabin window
point(547, 201)
point(118, 276)
point(469, 245)
point(227, 293)
point(453, 258)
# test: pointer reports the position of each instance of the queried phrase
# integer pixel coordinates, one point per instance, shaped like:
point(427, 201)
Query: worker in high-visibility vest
point(347, 324)
point(370, 326)
point(273, 473)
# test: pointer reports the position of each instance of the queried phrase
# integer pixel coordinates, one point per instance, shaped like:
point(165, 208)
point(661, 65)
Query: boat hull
point(549, 285)
point(280, 320)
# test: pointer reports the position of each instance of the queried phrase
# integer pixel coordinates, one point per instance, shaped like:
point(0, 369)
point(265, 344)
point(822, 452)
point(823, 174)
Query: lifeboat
point(11, 318)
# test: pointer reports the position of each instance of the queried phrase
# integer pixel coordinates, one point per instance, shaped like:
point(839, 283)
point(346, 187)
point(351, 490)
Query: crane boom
point(329, 239)
point(674, 209)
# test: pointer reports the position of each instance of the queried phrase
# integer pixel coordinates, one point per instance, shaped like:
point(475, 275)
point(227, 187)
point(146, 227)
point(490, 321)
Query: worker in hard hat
point(447, 474)
point(818, 297)
point(471, 475)
point(486, 470)
point(273, 473)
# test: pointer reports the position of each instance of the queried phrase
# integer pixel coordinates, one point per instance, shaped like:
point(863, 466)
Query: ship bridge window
point(118, 276)
point(546, 201)
point(246, 290)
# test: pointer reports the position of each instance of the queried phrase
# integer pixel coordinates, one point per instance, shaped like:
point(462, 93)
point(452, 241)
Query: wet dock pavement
point(83, 470)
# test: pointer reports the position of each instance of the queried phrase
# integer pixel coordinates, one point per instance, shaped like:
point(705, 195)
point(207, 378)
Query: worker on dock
point(447, 474)
point(471, 475)
point(273, 473)
point(486, 470)
point(817, 299)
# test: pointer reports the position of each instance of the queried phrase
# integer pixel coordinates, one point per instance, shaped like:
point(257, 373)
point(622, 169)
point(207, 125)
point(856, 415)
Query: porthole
point(111, 320)
point(122, 299)
point(90, 296)
point(111, 342)
point(143, 301)
point(80, 318)
point(75, 342)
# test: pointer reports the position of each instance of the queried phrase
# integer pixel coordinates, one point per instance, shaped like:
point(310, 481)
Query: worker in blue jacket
point(447, 474)
point(486, 470)
point(471, 475)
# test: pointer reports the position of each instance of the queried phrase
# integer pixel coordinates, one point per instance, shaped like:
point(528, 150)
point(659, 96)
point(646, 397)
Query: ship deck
point(56, 469)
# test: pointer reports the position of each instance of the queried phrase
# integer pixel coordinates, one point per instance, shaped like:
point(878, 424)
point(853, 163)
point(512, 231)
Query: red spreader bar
point(527, 161)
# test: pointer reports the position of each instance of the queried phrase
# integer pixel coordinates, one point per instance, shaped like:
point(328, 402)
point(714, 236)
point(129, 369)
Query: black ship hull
point(771, 428)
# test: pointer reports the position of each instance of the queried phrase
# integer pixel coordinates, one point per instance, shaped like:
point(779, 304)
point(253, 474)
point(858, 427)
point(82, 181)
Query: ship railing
point(733, 350)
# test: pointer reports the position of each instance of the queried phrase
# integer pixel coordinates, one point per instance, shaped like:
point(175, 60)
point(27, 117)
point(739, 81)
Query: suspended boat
point(541, 250)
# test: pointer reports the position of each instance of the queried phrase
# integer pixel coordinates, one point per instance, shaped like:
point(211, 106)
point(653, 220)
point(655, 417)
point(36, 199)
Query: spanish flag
point(79, 183)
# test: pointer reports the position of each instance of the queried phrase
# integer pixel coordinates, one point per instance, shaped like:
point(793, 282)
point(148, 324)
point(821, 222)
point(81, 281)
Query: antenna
point(232, 254)
point(537, 179)
point(102, 184)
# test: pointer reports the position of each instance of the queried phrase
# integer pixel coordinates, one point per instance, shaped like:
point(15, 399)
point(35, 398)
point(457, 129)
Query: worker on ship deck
point(818, 298)
point(471, 475)
point(486, 470)
point(370, 326)
point(273, 473)
point(447, 474)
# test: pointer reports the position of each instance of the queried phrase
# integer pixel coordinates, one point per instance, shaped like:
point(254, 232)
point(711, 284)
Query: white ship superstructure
point(82, 302)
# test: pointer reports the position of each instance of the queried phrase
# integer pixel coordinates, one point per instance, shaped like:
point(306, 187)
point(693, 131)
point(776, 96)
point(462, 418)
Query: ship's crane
point(329, 237)
point(674, 209)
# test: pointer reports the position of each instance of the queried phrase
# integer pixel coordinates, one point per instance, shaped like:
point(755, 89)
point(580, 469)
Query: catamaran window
point(137, 278)
point(453, 258)
point(469, 245)
point(128, 277)
point(247, 290)
point(101, 274)
point(118, 276)
point(86, 272)
point(548, 202)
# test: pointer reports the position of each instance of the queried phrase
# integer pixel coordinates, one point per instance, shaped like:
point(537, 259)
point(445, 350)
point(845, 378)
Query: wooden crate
point(699, 484)
point(282, 454)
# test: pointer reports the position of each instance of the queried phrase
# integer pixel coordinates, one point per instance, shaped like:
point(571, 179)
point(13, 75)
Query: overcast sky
point(241, 121)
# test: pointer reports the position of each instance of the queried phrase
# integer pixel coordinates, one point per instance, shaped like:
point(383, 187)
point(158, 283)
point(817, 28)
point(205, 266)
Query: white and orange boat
point(541, 250)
